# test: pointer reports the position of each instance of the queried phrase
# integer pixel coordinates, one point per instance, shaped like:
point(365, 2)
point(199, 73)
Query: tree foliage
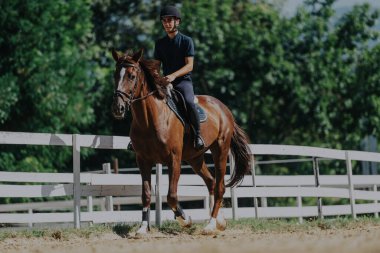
point(46, 76)
point(308, 79)
point(288, 80)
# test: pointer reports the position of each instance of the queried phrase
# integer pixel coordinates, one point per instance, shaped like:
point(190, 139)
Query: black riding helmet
point(170, 11)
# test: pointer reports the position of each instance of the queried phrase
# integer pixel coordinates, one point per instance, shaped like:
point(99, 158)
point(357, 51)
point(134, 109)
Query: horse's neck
point(149, 112)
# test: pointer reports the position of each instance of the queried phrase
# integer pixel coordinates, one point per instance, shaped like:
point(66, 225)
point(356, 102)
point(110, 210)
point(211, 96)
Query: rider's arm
point(182, 71)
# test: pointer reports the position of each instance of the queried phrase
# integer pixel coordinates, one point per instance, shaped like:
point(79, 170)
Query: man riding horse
point(176, 53)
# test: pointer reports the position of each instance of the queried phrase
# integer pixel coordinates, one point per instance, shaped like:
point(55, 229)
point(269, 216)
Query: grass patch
point(173, 228)
point(260, 225)
point(123, 230)
point(292, 225)
point(57, 234)
point(23, 234)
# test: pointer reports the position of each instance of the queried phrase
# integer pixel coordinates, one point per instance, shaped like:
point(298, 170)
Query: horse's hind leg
point(199, 166)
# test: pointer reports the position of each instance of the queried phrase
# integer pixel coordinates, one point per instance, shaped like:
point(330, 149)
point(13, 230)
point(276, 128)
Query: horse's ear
point(116, 55)
point(137, 56)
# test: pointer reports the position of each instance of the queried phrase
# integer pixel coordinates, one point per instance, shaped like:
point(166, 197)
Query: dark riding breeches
point(185, 87)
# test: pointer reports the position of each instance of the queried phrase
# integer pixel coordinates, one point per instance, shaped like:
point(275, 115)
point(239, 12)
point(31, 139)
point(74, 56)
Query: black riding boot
point(130, 147)
point(194, 118)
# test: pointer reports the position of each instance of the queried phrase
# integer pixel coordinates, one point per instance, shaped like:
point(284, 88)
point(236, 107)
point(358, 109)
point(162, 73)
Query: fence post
point(116, 165)
point(234, 201)
point(318, 185)
point(90, 204)
point(254, 187)
point(76, 174)
point(299, 205)
point(350, 184)
point(264, 201)
point(158, 194)
point(376, 202)
point(90, 207)
point(116, 171)
point(30, 211)
point(109, 200)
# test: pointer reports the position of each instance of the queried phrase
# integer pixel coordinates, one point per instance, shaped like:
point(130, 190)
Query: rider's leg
point(186, 89)
point(194, 118)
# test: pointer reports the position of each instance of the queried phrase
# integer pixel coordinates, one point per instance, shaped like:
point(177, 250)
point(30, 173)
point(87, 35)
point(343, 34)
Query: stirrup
point(130, 147)
point(199, 143)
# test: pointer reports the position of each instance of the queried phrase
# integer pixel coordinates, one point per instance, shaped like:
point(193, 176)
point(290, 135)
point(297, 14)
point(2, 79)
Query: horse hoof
point(142, 231)
point(221, 225)
point(184, 223)
point(210, 229)
point(221, 222)
point(206, 231)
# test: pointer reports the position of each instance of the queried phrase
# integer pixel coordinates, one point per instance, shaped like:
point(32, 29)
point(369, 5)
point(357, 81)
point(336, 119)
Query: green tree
point(309, 79)
point(327, 56)
point(240, 60)
point(287, 80)
point(46, 76)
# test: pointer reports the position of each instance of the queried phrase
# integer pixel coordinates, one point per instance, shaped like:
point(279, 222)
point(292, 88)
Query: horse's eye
point(131, 77)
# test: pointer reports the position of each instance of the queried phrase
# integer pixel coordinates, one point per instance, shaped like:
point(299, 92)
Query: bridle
point(129, 99)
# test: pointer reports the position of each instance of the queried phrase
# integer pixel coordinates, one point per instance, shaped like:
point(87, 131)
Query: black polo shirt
point(172, 53)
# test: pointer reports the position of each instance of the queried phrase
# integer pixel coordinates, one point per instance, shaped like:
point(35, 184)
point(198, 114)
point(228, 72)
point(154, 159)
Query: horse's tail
point(240, 152)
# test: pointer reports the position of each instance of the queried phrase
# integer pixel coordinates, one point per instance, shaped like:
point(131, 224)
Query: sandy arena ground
point(361, 239)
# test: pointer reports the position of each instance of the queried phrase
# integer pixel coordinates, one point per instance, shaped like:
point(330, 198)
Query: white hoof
point(184, 222)
point(143, 230)
point(210, 228)
point(221, 222)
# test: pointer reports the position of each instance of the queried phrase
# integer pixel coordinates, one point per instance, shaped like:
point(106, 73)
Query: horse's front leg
point(174, 173)
point(145, 172)
point(217, 221)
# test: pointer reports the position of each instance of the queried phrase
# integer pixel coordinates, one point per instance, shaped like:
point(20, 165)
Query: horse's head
point(126, 79)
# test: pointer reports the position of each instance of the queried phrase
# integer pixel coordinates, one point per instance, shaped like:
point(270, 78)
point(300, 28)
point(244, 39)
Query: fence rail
point(191, 187)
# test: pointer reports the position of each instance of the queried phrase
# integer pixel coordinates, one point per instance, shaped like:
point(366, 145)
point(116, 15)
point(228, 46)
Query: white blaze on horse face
point(122, 73)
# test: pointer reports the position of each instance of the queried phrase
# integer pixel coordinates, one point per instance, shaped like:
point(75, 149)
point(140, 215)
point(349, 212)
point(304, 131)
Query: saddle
point(177, 104)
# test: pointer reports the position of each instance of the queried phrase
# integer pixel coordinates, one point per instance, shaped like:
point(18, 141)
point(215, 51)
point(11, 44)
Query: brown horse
point(158, 136)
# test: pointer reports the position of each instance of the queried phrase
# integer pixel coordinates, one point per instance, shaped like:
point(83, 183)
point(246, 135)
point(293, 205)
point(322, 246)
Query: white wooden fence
point(128, 187)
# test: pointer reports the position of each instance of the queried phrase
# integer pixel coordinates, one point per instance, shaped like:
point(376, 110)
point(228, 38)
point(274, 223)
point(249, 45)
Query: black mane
point(155, 81)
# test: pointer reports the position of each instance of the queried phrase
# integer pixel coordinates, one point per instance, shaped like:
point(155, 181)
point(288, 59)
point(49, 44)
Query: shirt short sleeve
point(190, 48)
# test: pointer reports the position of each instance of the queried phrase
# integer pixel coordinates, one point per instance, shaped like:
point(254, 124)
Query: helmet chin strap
point(174, 28)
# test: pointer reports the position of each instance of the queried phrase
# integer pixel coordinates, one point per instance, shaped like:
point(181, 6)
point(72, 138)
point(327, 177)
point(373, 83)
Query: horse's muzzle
point(118, 110)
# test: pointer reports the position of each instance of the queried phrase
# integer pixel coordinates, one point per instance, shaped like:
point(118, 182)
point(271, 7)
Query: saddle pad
point(173, 106)
point(202, 113)
point(180, 112)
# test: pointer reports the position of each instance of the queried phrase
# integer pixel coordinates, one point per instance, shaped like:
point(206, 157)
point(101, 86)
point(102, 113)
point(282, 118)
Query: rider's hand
point(170, 78)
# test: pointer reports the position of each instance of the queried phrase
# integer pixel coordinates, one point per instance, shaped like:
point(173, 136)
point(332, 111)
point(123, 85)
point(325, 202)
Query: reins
point(144, 97)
